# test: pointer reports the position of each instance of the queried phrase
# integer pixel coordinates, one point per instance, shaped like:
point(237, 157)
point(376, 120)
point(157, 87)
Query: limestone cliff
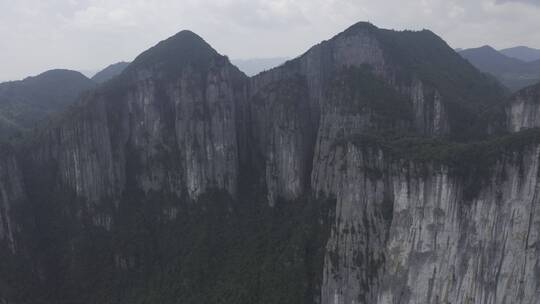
point(12, 194)
point(523, 111)
point(387, 81)
point(408, 231)
point(162, 131)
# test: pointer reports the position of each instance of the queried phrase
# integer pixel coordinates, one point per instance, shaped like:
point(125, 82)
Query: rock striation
point(522, 111)
point(12, 194)
point(408, 231)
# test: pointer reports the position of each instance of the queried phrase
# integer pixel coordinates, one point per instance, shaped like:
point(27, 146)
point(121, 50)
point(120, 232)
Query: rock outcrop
point(408, 231)
point(523, 111)
point(173, 133)
point(12, 195)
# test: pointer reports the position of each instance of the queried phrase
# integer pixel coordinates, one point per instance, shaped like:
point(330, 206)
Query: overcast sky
point(89, 34)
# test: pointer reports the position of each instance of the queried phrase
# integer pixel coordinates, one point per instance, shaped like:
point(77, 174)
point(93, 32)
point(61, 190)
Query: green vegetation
point(466, 92)
point(472, 162)
point(27, 103)
point(216, 250)
point(359, 90)
point(291, 93)
point(247, 253)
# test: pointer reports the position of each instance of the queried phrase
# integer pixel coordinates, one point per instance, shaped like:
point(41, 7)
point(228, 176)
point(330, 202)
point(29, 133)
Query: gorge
point(378, 167)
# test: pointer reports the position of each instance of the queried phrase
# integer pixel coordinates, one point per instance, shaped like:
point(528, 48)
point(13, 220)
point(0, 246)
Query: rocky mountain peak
point(359, 27)
point(175, 53)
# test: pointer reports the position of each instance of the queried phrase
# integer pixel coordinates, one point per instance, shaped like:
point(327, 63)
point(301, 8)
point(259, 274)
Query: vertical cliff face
point(206, 131)
point(355, 249)
point(408, 232)
point(282, 128)
point(443, 248)
point(12, 195)
point(425, 231)
point(152, 129)
point(523, 111)
point(381, 81)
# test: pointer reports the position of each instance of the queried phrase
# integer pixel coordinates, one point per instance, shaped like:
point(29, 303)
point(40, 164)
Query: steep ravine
point(327, 180)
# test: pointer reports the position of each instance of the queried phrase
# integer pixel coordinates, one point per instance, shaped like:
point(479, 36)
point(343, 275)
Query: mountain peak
point(483, 49)
point(174, 53)
point(362, 25)
point(58, 73)
point(359, 27)
point(485, 53)
point(523, 53)
point(185, 34)
point(487, 47)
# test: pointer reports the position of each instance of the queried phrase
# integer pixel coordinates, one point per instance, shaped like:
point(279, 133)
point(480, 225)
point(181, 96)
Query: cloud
point(532, 2)
point(90, 34)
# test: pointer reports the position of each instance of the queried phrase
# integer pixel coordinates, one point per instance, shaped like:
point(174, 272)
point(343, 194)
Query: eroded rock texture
point(11, 196)
point(523, 111)
point(407, 232)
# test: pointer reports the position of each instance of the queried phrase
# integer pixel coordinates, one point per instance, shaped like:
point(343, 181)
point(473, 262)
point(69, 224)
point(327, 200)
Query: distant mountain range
point(110, 72)
point(26, 102)
point(523, 53)
point(516, 68)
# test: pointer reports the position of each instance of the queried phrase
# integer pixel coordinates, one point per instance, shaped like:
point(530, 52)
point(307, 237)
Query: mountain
point(364, 171)
point(254, 66)
point(25, 103)
point(522, 53)
point(512, 72)
point(490, 60)
point(110, 72)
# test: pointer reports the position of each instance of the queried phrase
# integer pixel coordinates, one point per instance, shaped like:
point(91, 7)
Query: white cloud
point(533, 2)
point(89, 34)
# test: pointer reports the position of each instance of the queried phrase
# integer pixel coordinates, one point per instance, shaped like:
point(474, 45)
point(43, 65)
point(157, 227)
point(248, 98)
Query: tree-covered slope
point(27, 102)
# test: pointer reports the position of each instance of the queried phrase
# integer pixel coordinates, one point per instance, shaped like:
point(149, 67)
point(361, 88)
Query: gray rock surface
point(523, 112)
point(11, 196)
point(405, 233)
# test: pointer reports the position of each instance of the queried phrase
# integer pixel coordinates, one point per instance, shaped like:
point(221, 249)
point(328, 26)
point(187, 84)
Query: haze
point(88, 35)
